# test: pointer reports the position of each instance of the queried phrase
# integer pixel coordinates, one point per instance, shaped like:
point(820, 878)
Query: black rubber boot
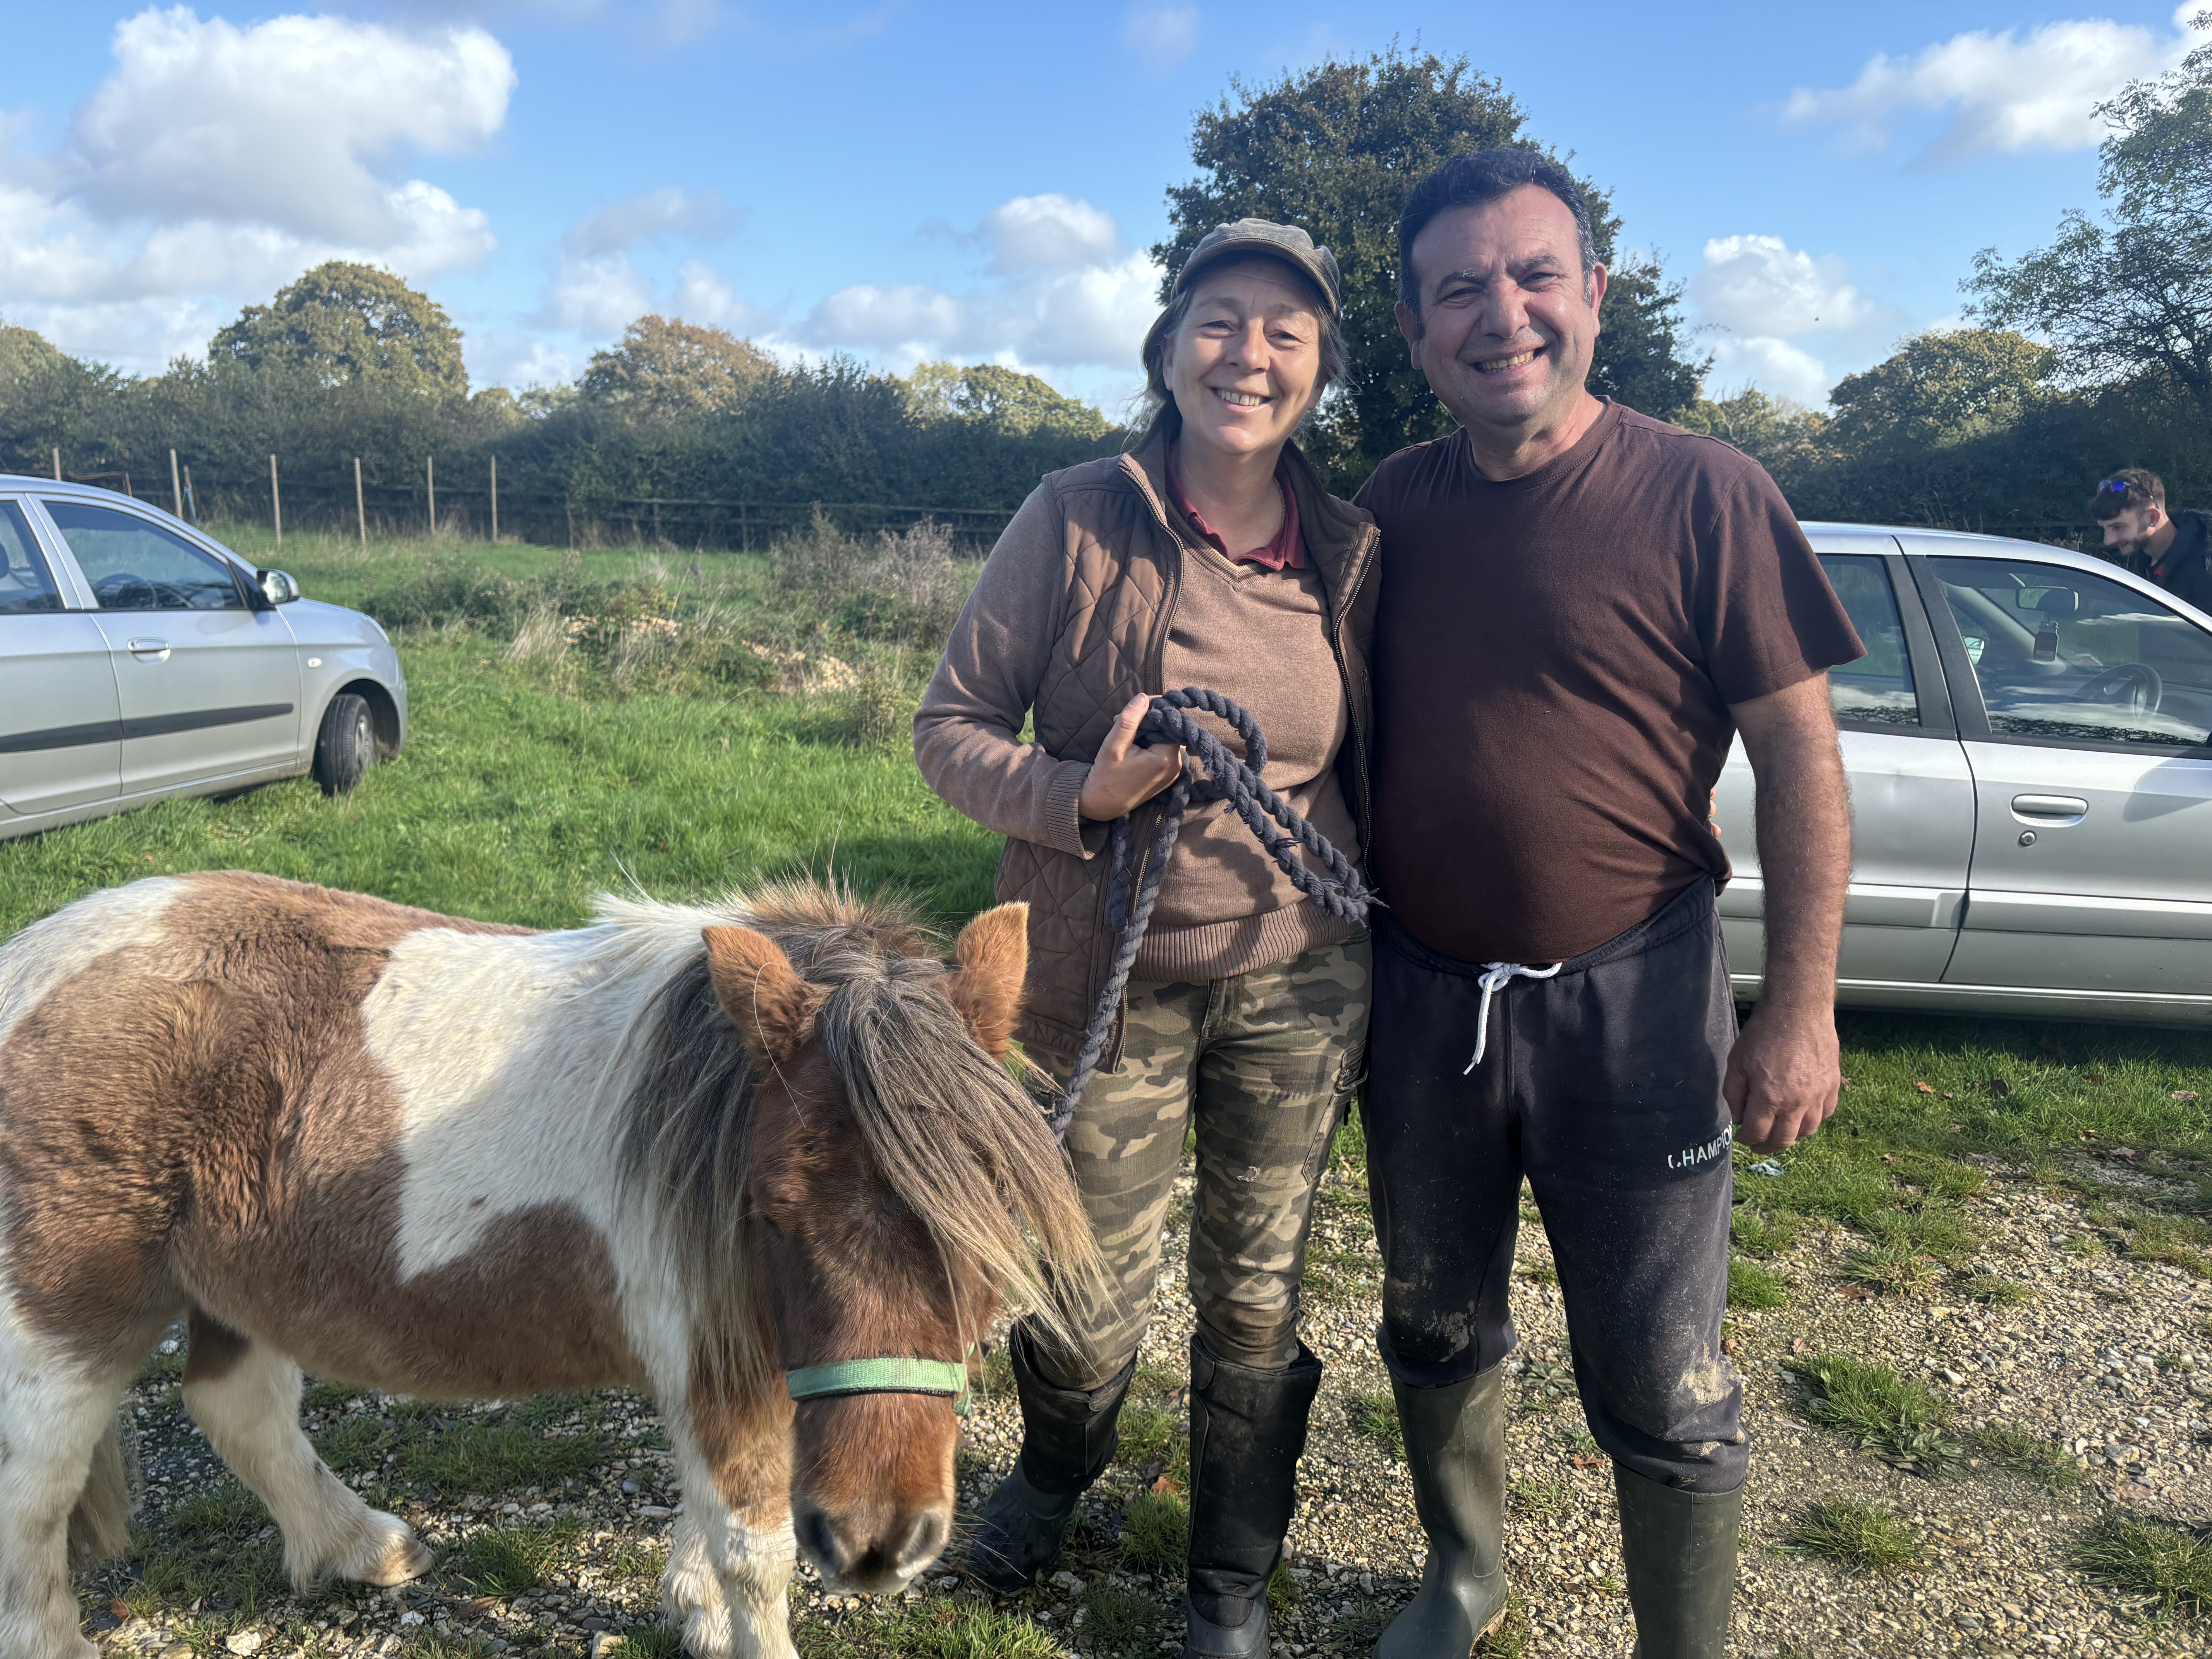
point(1455, 1453)
point(1679, 1550)
point(1247, 1429)
point(1067, 1438)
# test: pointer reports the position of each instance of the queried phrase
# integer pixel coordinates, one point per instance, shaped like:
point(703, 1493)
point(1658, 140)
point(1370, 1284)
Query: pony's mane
point(958, 1140)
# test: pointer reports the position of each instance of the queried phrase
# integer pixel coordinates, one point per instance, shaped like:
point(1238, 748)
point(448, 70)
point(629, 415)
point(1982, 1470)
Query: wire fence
point(430, 508)
point(426, 508)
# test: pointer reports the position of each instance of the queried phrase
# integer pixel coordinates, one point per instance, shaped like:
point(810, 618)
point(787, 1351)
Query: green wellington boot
point(1456, 1452)
point(1247, 1429)
point(1067, 1438)
point(1679, 1549)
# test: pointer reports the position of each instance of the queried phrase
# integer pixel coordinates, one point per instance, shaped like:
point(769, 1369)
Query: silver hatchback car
point(2031, 784)
point(138, 660)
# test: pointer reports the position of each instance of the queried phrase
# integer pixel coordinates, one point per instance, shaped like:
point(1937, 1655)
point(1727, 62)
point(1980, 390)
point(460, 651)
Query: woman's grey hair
point(1335, 361)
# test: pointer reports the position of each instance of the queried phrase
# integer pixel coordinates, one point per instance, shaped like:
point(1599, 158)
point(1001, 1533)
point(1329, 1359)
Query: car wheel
point(346, 747)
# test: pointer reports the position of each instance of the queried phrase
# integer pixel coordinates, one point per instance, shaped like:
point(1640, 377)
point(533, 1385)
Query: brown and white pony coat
point(684, 1149)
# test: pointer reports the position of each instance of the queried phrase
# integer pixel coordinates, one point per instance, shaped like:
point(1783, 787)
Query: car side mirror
point(276, 587)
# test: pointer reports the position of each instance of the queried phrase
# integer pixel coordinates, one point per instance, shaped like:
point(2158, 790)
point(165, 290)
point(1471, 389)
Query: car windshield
point(2063, 652)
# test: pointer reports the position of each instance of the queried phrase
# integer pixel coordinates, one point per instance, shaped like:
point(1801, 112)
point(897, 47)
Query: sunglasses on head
point(2117, 486)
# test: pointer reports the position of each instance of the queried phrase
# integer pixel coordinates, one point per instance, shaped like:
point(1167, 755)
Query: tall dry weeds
point(542, 640)
point(903, 587)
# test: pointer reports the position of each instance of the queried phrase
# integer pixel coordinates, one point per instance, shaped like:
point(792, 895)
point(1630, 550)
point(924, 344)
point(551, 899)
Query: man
point(2175, 550)
point(1580, 607)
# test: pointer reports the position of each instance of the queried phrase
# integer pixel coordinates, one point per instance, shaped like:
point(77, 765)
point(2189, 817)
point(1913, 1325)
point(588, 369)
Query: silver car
point(2031, 784)
point(139, 660)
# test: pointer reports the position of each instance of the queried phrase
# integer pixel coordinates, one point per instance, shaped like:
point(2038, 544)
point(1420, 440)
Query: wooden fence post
point(360, 507)
point(494, 501)
point(58, 463)
point(276, 504)
point(191, 500)
point(176, 489)
point(430, 472)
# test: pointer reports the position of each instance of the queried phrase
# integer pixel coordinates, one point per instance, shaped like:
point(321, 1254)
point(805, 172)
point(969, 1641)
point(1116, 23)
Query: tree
point(350, 324)
point(25, 355)
point(49, 398)
point(1780, 435)
point(2133, 299)
point(666, 367)
point(1938, 389)
point(1337, 149)
point(1003, 398)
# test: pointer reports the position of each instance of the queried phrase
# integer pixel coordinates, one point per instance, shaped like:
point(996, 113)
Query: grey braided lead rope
point(1221, 776)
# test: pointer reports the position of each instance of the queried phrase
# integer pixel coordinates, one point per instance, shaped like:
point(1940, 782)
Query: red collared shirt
point(1287, 551)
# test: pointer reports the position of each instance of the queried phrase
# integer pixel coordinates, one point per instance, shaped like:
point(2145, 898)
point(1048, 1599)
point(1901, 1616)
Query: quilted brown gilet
point(1125, 562)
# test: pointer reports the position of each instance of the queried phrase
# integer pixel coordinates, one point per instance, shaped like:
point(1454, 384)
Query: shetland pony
point(700, 1151)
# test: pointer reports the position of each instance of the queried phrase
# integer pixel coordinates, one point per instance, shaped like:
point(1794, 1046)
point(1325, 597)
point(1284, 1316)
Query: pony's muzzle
point(871, 1552)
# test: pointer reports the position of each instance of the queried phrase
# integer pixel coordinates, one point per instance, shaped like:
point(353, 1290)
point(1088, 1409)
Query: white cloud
point(1094, 316)
point(699, 216)
point(215, 163)
point(1761, 285)
point(275, 124)
point(1162, 37)
point(1778, 318)
point(702, 296)
point(1775, 366)
point(597, 296)
point(1066, 297)
point(883, 319)
point(503, 357)
point(2000, 92)
point(1046, 232)
point(596, 289)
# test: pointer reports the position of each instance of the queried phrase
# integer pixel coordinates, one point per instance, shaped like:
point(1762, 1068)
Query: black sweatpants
point(1602, 1087)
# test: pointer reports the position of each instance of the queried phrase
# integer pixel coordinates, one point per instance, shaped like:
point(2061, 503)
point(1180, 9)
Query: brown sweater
point(1256, 636)
point(1259, 637)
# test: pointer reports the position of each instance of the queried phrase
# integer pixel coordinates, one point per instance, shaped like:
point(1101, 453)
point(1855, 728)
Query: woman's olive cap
point(1285, 242)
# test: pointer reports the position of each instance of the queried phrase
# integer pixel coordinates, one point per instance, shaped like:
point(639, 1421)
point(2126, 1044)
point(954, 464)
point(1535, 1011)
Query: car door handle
point(150, 650)
point(2060, 810)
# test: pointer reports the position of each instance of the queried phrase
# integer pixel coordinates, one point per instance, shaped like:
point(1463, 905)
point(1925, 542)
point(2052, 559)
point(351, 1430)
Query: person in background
point(2174, 550)
point(1209, 555)
point(1584, 607)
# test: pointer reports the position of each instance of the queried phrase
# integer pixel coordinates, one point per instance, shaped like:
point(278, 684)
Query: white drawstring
point(1494, 975)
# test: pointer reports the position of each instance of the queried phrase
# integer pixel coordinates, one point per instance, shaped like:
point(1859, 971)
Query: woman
point(1208, 555)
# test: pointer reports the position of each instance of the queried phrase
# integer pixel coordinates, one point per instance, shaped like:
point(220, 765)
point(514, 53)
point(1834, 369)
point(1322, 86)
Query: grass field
point(527, 787)
point(553, 758)
point(524, 792)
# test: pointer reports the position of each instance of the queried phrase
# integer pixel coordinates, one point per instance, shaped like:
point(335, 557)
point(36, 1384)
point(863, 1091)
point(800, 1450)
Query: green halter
point(942, 1377)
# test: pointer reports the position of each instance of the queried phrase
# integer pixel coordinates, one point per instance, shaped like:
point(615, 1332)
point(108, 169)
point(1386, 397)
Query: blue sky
point(901, 180)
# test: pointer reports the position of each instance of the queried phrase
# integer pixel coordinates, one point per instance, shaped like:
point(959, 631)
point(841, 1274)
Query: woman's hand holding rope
point(1165, 721)
point(1125, 775)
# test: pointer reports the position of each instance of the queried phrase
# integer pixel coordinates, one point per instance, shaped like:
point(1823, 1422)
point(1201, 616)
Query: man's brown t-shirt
point(1554, 659)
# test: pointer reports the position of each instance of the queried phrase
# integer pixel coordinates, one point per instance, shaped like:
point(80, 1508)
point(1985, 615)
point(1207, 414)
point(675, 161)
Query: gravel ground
point(2109, 1358)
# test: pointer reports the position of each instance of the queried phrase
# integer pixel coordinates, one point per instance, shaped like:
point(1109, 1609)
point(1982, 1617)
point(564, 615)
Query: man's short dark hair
point(2130, 488)
point(1483, 176)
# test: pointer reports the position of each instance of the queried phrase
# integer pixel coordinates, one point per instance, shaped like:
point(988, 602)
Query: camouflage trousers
point(1262, 1067)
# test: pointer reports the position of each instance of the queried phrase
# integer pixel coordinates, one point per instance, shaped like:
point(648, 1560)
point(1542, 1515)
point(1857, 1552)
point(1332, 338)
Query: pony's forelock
point(959, 1141)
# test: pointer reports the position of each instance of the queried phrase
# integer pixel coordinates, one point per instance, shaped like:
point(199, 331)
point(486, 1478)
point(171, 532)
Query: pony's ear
point(993, 952)
point(771, 1006)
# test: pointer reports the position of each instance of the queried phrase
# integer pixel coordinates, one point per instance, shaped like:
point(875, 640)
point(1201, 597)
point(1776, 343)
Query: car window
point(1878, 687)
point(2062, 653)
point(26, 585)
point(135, 565)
